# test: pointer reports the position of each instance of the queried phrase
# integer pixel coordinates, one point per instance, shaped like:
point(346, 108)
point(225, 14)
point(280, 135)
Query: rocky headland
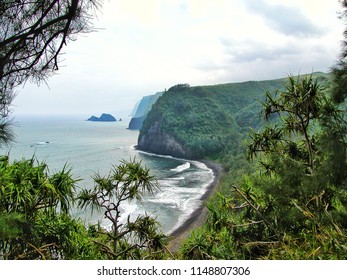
point(156, 141)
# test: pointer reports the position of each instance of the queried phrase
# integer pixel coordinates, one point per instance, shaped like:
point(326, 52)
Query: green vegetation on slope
point(210, 120)
point(294, 203)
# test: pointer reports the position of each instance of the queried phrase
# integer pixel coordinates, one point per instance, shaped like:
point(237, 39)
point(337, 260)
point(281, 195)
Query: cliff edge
point(159, 142)
point(141, 110)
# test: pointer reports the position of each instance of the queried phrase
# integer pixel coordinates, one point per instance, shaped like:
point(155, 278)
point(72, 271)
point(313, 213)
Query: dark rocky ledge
point(158, 142)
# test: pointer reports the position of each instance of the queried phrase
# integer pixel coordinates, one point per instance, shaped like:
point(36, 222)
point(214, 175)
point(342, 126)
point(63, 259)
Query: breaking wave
point(181, 167)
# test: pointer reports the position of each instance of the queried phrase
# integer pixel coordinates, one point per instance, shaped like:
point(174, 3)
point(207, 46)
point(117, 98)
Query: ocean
point(94, 147)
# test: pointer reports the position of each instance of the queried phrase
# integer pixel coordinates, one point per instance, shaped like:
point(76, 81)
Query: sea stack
point(103, 118)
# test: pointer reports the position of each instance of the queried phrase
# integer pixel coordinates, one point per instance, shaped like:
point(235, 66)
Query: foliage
point(36, 223)
point(203, 119)
point(35, 219)
point(179, 87)
point(298, 107)
point(127, 240)
point(6, 131)
point(294, 205)
point(211, 121)
point(28, 197)
point(9, 225)
point(33, 34)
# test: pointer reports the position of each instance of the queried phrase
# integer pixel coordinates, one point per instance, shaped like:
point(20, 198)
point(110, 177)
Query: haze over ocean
point(89, 147)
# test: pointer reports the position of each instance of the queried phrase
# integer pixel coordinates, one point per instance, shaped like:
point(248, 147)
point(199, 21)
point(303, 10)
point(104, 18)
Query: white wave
point(201, 165)
point(188, 206)
point(168, 182)
point(177, 193)
point(177, 178)
point(128, 209)
point(197, 164)
point(155, 155)
point(177, 196)
point(181, 167)
point(40, 143)
point(169, 202)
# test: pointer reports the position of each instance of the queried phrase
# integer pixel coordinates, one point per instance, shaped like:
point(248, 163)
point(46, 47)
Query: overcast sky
point(144, 47)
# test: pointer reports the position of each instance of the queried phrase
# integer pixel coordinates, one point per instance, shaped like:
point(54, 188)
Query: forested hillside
point(290, 201)
point(195, 122)
point(283, 146)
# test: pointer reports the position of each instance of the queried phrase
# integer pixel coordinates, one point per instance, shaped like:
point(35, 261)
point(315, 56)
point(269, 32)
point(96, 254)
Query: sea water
point(95, 147)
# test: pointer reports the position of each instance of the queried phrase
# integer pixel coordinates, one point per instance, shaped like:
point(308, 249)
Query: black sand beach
point(198, 217)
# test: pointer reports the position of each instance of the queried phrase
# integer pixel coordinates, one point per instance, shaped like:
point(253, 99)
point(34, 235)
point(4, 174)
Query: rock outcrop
point(103, 118)
point(158, 142)
point(93, 119)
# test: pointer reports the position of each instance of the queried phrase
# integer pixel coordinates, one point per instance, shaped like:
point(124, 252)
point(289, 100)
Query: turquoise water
point(90, 147)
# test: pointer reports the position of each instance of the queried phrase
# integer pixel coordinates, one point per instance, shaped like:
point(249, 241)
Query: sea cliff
point(141, 110)
point(205, 121)
point(197, 122)
point(159, 142)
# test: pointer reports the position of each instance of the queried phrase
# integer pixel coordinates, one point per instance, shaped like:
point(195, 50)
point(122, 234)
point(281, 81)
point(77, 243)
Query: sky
point(143, 47)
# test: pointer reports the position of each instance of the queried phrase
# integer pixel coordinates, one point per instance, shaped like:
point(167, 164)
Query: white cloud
point(146, 46)
point(289, 20)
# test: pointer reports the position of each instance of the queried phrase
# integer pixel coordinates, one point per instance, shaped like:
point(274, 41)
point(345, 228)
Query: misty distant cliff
point(141, 110)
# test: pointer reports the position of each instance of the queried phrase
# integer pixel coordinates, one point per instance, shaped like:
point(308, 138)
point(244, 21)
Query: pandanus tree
point(294, 204)
point(298, 107)
point(28, 197)
point(305, 187)
point(128, 181)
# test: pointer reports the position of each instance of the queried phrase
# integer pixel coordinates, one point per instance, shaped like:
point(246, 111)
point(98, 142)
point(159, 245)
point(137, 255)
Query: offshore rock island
point(103, 118)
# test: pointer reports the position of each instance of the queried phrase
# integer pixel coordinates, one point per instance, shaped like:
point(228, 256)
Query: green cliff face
point(202, 121)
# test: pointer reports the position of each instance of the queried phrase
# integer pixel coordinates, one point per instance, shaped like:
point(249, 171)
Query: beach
point(199, 215)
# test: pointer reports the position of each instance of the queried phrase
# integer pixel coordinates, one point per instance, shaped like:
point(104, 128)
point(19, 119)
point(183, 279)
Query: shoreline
point(199, 215)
